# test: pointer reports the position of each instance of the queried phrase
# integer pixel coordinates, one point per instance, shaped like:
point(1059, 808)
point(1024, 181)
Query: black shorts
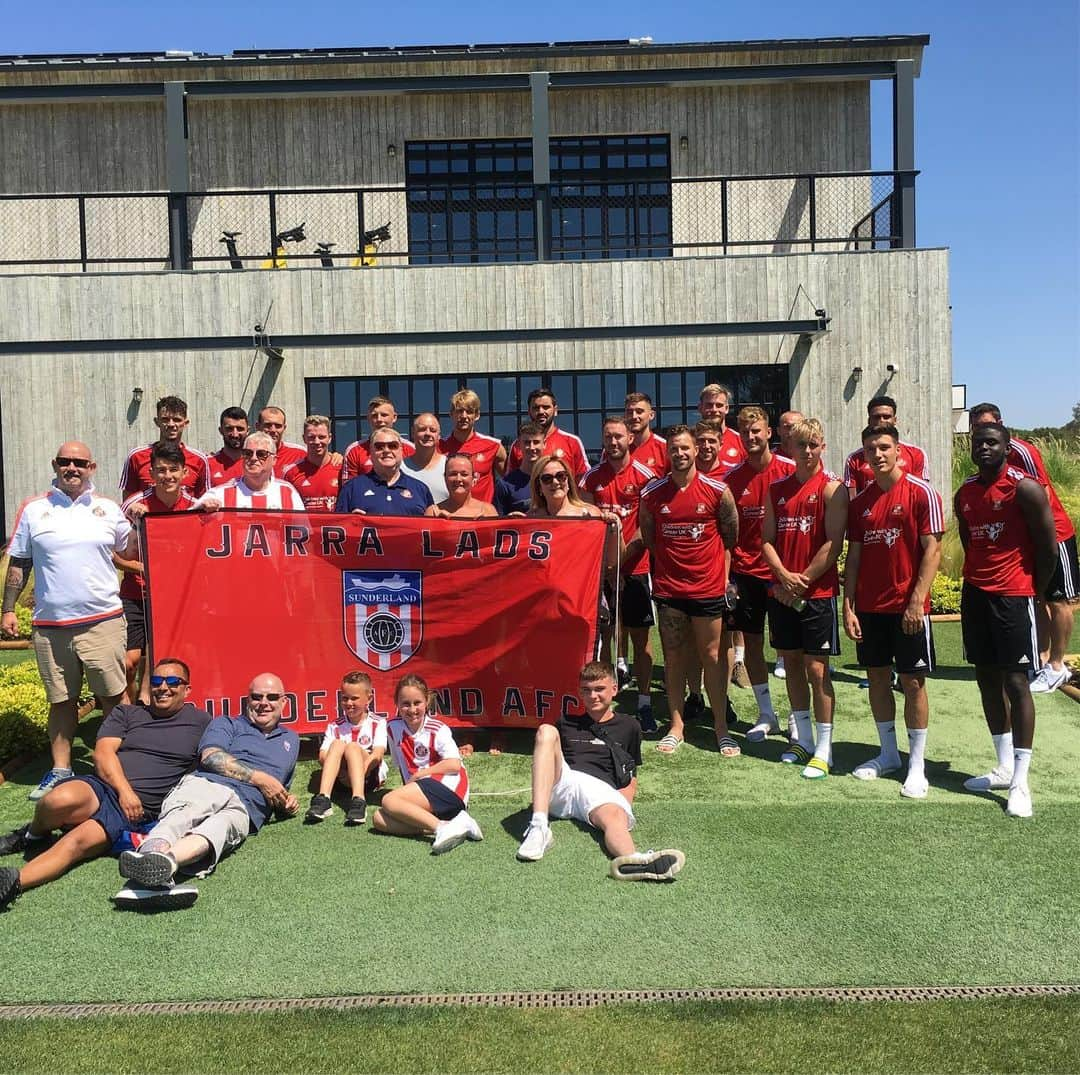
point(1065, 582)
point(136, 624)
point(815, 630)
point(108, 814)
point(749, 612)
point(636, 606)
point(884, 643)
point(704, 608)
point(999, 631)
point(442, 802)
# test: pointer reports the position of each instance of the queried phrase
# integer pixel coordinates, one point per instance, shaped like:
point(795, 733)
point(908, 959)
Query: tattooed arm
point(216, 760)
point(14, 584)
point(727, 521)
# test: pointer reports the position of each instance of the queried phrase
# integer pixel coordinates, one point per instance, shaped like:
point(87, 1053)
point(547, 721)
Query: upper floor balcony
point(453, 155)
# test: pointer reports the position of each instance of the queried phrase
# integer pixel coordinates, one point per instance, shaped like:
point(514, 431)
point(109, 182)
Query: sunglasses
point(550, 479)
point(262, 454)
point(167, 681)
point(72, 461)
point(264, 697)
point(385, 446)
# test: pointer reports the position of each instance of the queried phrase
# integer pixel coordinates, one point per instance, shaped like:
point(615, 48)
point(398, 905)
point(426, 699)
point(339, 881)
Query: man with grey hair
point(257, 487)
point(245, 768)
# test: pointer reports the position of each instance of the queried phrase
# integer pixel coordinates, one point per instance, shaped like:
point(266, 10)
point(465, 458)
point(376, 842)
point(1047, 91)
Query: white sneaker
point(875, 767)
point(1019, 804)
point(472, 829)
point(537, 840)
point(996, 778)
point(779, 671)
point(1048, 679)
point(915, 787)
point(451, 833)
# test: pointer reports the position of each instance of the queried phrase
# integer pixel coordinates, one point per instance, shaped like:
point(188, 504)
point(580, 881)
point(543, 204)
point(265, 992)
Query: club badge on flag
point(382, 615)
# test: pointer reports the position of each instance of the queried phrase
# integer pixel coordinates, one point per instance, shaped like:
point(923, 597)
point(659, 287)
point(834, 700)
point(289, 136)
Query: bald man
point(245, 768)
point(68, 535)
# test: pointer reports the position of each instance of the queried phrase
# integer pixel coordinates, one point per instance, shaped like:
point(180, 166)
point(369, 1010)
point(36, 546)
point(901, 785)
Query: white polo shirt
point(71, 543)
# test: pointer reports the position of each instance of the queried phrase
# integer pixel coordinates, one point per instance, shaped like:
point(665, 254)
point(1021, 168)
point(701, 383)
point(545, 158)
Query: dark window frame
point(674, 392)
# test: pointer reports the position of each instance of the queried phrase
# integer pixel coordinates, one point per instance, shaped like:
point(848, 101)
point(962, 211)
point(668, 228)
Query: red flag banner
point(497, 615)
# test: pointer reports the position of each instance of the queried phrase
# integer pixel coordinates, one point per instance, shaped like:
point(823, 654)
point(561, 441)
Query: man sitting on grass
point(141, 753)
point(245, 768)
point(585, 768)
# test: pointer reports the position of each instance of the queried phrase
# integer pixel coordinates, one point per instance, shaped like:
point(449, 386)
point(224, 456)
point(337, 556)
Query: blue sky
point(996, 113)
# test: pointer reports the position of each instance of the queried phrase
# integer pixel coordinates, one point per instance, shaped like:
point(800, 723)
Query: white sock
point(1004, 747)
point(1021, 764)
point(804, 729)
point(540, 818)
point(621, 665)
point(916, 738)
point(643, 699)
point(824, 741)
point(740, 653)
point(886, 733)
point(779, 662)
point(764, 702)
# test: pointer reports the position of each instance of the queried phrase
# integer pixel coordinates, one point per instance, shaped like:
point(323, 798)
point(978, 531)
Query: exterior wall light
point(856, 374)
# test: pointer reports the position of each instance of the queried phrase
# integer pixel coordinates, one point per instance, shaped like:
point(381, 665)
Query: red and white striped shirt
point(276, 495)
point(370, 733)
point(430, 743)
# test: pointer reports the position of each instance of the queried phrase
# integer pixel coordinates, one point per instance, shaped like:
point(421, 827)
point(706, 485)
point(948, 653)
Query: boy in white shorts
point(585, 768)
point(357, 737)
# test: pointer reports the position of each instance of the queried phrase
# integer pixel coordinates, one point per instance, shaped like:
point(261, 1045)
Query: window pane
point(588, 391)
point(344, 398)
point(670, 416)
point(318, 397)
point(670, 388)
point(447, 387)
point(504, 395)
point(423, 397)
point(505, 428)
point(614, 392)
point(646, 382)
point(562, 384)
point(397, 390)
point(345, 432)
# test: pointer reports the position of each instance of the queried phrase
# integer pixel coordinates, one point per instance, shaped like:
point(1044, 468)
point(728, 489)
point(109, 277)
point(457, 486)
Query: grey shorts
point(207, 809)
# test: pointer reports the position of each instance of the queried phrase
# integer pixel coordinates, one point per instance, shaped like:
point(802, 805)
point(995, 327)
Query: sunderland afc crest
point(382, 614)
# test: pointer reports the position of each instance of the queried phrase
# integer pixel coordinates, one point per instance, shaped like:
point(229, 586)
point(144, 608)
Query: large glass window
point(585, 398)
point(473, 201)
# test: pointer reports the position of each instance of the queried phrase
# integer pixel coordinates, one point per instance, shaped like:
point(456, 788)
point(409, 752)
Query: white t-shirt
point(71, 543)
point(434, 478)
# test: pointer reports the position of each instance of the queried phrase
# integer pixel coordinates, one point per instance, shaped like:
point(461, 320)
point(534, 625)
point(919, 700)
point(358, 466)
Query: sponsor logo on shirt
point(988, 531)
point(889, 536)
point(700, 509)
point(665, 510)
point(897, 509)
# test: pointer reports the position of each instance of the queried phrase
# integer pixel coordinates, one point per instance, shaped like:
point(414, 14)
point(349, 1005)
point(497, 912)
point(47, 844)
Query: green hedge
point(944, 595)
point(24, 711)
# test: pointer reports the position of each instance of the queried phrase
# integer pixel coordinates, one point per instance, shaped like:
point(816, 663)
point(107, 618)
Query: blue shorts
point(109, 815)
point(442, 802)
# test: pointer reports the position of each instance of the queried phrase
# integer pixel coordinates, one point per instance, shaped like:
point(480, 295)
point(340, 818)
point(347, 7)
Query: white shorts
point(576, 795)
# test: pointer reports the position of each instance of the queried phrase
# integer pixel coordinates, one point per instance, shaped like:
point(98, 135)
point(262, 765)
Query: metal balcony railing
point(453, 223)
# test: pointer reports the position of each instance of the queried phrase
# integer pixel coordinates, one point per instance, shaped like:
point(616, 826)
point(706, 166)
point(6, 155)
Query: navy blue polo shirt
point(372, 494)
point(513, 492)
point(273, 752)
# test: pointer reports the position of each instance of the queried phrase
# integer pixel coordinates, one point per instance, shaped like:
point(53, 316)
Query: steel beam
point(541, 155)
point(811, 328)
point(904, 149)
point(177, 173)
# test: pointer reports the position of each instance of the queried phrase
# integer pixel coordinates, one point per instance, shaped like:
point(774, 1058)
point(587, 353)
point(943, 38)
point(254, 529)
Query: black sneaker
point(154, 869)
point(693, 707)
point(10, 889)
point(16, 840)
point(648, 866)
point(646, 720)
point(357, 812)
point(321, 808)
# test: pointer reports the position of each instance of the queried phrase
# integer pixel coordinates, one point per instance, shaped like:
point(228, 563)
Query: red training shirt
point(799, 510)
point(136, 477)
point(620, 492)
point(1000, 555)
point(890, 524)
point(750, 487)
point(1028, 458)
point(565, 446)
point(358, 457)
point(858, 474)
point(483, 450)
point(317, 483)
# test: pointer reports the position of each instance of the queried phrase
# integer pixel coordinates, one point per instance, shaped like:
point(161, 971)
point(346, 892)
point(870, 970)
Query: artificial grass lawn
point(801, 1036)
point(787, 882)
